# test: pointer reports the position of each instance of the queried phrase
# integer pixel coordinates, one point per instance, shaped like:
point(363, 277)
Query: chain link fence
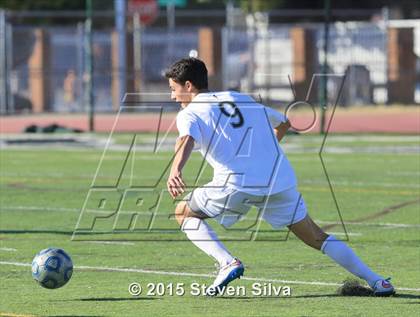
point(258, 60)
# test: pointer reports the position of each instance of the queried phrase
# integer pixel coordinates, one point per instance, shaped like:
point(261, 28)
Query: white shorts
point(227, 205)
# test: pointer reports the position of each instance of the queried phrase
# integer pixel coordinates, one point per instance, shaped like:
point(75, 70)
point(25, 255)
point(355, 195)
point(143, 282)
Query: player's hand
point(175, 184)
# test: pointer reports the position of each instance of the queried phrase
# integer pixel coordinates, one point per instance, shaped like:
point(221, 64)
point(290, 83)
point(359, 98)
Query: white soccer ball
point(52, 268)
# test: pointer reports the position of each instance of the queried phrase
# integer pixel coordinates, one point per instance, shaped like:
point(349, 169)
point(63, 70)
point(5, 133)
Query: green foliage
point(43, 4)
point(261, 5)
point(20, 5)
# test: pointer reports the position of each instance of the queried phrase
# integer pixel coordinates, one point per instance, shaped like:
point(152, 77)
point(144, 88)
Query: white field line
point(298, 148)
point(356, 234)
point(60, 209)
point(353, 138)
point(111, 242)
point(8, 249)
point(369, 224)
point(297, 138)
point(405, 173)
point(170, 273)
point(307, 181)
point(362, 184)
point(37, 208)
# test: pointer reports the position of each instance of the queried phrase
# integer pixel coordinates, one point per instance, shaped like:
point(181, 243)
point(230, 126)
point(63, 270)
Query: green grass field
point(44, 189)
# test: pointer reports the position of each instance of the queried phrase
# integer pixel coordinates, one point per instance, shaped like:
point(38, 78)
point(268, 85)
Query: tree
point(261, 5)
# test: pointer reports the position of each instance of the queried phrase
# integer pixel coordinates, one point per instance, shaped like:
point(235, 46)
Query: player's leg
point(288, 209)
point(201, 234)
point(209, 203)
point(310, 233)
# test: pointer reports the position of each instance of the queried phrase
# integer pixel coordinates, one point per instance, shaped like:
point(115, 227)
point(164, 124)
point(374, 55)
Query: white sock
point(203, 236)
point(344, 255)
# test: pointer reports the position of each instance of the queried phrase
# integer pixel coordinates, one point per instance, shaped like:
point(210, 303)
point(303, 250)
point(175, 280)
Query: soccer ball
point(52, 268)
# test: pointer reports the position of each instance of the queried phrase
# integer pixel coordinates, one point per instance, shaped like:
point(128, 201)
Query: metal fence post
point(3, 64)
point(80, 64)
point(225, 53)
point(170, 20)
point(324, 93)
point(88, 76)
point(137, 49)
point(252, 38)
point(9, 67)
point(120, 25)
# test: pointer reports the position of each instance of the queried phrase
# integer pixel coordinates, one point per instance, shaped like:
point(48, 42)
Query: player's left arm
point(279, 122)
point(183, 148)
point(281, 130)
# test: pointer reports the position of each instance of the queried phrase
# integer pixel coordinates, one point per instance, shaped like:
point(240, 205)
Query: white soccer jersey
point(234, 134)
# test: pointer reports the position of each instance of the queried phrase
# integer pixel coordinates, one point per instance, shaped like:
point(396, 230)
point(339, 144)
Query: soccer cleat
point(226, 274)
point(383, 288)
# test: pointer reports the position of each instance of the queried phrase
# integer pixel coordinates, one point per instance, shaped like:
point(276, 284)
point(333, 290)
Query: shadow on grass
point(106, 299)
point(279, 297)
point(73, 315)
point(402, 296)
point(16, 231)
point(112, 299)
point(63, 232)
point(407, 296)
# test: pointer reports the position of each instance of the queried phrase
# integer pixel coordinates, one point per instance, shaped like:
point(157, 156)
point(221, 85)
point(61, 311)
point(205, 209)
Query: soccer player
point(240, 138)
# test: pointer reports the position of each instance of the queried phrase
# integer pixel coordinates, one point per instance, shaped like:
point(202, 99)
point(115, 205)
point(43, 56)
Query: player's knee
point(317, 240)
point(179, 219)
point(314, 239)
point(317, 243)
point(180, 212)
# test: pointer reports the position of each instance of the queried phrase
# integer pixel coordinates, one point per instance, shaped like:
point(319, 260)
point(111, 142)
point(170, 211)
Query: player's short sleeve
point(275, 117)
point(187, 124)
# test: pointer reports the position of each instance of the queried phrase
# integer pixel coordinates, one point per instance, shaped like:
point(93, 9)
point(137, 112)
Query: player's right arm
point(189, 133)
point(183, 148)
